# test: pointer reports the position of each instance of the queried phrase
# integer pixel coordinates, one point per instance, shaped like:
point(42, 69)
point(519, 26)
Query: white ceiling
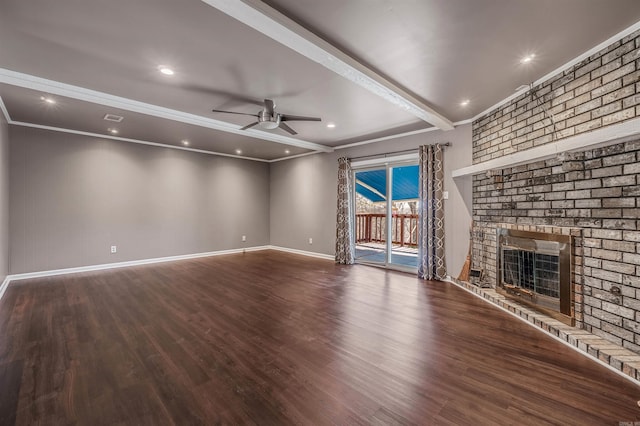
point(103, 56)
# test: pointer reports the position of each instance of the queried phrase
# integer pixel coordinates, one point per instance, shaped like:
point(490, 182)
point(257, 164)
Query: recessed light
point(465, 102)
point(166, 70)
point(286, 151)
point(238, 151)
point(528, 58)
point(185, 142)
point(331, 125)
point(48, 100)
point(113, 131)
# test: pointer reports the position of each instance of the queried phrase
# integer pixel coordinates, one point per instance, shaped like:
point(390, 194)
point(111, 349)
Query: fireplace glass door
point(535, 267)
point(535, 272)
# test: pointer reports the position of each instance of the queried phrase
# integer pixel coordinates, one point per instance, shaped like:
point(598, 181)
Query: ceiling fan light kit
point(267, 123)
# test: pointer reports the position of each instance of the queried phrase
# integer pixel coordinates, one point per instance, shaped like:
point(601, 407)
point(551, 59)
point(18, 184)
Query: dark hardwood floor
point(271, 338)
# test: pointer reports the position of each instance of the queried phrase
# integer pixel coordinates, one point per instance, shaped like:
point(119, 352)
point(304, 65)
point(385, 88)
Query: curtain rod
point(386, 154)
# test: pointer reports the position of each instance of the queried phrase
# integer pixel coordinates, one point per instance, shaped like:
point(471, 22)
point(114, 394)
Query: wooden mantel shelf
point(601, 137)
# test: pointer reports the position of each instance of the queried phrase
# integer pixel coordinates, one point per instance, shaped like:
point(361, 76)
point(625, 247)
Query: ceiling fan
point(269, 119)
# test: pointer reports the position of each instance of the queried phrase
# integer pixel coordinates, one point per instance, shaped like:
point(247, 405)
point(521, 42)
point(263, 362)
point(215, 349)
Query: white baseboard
point(303, 252)
point(90, 268)
point(4, 285)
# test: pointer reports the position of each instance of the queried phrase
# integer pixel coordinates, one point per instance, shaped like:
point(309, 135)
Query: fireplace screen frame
point(543, 243)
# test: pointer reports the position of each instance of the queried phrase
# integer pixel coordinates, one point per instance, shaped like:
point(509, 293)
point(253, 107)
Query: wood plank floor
point(271, 338)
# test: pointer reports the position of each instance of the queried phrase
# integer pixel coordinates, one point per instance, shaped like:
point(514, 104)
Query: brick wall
point(597, 191)
point(601, 90)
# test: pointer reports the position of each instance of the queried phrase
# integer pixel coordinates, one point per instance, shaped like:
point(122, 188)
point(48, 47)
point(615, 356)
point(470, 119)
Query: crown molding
point(138, 141)
point(291, 157)
point(398, 135)
point(386, 138)
point(87, 95)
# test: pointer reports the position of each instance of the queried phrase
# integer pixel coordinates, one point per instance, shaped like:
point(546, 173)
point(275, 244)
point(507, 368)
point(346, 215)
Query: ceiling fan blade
point(288, 117)
point(233, 112)
point(236, 97)
point(269, 106)
point(248, 126)
point(287, 128)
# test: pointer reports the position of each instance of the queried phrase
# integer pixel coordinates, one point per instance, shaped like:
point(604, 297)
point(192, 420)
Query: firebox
point(535, 268)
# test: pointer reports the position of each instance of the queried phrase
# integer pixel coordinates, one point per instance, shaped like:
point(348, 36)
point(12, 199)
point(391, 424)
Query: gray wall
point(303, 195)
point(4, 199)
point(72, 197)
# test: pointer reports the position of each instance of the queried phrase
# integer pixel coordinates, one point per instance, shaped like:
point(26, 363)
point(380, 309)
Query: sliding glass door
point(386, 200)
point(371, 215)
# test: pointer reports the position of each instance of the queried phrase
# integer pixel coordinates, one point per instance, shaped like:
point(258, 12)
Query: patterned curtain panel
point(431, 264)
point(345, 249)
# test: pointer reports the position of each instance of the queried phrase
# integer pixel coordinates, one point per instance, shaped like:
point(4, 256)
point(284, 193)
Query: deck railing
point(372, 228)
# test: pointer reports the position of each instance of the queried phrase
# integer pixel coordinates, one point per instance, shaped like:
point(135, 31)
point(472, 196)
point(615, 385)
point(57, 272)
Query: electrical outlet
point(114, 249)
point(244, 238)
point(445, 195)
point(310, 240)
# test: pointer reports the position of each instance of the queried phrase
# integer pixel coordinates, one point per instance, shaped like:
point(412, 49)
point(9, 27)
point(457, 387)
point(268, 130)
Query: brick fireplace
point(590, 201)
point(592, 195)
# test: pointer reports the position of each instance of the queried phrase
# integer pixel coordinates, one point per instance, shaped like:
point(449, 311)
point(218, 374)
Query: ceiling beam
point(80, 93)
point(285, 31)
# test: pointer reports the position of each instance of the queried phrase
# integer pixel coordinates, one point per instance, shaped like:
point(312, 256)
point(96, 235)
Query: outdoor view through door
point(381, 193)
